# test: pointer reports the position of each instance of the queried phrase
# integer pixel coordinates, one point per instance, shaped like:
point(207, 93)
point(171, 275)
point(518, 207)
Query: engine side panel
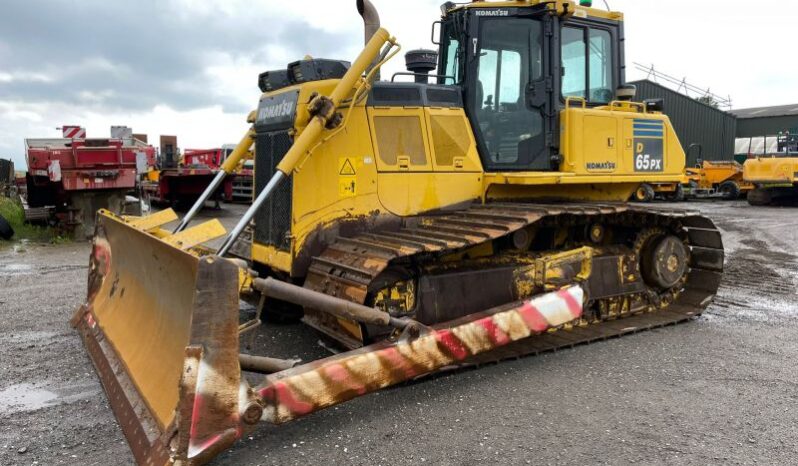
point(400, 153)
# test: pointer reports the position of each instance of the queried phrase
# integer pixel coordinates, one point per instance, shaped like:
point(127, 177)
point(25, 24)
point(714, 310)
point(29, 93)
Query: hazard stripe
point(340, 378)
point(453, 345)
point(573, 305)
point(74, 132)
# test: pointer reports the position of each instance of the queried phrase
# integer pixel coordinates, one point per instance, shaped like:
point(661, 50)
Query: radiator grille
point(273, 220)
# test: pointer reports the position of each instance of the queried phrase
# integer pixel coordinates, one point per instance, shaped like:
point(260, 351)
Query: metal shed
point(695, 122)
point(766, 121)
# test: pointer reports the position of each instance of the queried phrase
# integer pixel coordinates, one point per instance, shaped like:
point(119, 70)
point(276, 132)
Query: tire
point(730, 190)
point(759, 197)
point(644, 193)
point(6, 232)
point(678, 195)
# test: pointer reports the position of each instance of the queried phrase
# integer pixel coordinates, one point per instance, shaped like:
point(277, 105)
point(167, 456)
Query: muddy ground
point(721, 389)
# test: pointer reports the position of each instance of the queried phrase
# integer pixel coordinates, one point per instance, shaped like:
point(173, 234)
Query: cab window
point(574, 80)
point(587, 62)
point(501, 77)
point(452, 55)
point(600, 56)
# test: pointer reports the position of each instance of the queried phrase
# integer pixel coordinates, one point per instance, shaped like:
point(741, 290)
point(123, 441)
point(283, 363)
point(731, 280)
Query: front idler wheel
point(664, 261)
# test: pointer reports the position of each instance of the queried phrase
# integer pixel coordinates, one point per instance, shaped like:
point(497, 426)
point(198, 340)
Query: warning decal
point(347, 179)
point(347, 188)
point(347, 168)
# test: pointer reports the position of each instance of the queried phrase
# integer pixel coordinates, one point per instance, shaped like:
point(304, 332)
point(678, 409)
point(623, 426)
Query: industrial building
point(767, 130)
point(766, 121)
point(695, 122)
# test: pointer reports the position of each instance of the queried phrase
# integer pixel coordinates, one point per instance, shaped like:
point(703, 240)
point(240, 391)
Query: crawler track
point(350, 265)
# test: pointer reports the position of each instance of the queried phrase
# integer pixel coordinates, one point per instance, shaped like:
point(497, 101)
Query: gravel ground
point(720, 389)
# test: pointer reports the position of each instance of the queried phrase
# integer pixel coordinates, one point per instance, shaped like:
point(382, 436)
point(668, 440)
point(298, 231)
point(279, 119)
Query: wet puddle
point(17, 247)
point(24, 337)
point(9, 270)
point(25, 397)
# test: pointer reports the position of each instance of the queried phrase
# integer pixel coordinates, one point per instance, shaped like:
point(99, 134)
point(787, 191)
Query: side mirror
point(435, 32)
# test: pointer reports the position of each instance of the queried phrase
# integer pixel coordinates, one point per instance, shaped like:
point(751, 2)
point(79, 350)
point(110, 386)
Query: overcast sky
point(190, 67)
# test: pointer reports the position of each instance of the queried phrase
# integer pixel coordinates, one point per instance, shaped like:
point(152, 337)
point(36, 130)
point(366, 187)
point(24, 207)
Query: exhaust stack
point(371, 19)
point(371, 24)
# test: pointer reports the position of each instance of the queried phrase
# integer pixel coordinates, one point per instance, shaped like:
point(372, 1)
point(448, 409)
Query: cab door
point(508, 92)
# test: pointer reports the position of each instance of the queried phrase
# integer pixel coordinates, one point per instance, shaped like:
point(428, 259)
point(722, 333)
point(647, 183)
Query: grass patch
point(14, 213)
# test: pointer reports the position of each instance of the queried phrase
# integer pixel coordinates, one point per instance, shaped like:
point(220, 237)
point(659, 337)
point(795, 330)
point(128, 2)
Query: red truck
point(181, 179)
point(76, 175)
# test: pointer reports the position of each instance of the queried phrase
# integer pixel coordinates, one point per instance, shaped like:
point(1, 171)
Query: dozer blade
point(161, 327)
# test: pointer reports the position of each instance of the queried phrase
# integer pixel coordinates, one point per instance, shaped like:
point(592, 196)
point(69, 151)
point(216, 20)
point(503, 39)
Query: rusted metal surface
point(304, 297)
point(582, 335)
point(162, 331)
point(209, 407)
point(321, 384)
point(141, 431)
point(326, 303)
point(265, 365)
point(349, 267)
point(143, 424)
point(472, 290)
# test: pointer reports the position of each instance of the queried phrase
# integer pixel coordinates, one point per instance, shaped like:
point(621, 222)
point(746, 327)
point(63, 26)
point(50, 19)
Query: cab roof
point(572, 7)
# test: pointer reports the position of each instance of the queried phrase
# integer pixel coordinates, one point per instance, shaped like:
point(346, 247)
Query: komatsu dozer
point(461, 217)
point(775, 178)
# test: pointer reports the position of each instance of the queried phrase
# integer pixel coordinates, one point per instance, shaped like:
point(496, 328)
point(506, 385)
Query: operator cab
point(516, 67)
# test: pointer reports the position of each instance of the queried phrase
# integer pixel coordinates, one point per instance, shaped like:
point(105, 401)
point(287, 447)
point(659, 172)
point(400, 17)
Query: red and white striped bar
point(73, 132)
point(327, 382)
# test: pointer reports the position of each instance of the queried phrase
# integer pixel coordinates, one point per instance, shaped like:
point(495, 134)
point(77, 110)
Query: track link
point(348, 267)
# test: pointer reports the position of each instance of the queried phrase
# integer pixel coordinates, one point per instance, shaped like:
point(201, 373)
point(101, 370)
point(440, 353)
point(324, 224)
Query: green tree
point(708, 100)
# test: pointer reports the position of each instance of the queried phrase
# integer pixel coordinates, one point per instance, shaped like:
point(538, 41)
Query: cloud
point(67, 62)
point(135, 56)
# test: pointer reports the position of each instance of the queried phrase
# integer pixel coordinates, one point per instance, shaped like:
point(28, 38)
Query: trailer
point(721, 179)
point(244, 182)
point(243, 176)
point(74, 176)
point(179, 180)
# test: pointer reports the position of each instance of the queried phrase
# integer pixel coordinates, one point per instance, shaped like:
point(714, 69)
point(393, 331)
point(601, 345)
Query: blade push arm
point(322, 110)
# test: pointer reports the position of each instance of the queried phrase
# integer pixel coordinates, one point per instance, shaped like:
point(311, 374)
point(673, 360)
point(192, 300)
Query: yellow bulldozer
point(775, 178)
point(468, 216)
